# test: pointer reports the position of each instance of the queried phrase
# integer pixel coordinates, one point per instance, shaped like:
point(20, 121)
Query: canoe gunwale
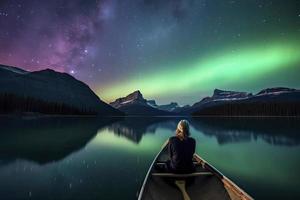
point(226, 181)
point(149, 171)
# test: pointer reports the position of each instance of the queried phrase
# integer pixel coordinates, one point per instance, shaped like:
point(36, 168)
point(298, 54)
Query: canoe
point(205, 183)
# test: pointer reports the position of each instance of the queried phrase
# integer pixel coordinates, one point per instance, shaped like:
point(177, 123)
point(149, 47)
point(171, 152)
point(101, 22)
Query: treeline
point(252, 109)
point(10, 103)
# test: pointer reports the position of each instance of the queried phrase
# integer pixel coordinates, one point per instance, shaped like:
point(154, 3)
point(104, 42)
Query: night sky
point(171, 50)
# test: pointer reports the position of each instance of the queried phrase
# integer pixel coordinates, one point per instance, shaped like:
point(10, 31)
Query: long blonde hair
point(183, 129)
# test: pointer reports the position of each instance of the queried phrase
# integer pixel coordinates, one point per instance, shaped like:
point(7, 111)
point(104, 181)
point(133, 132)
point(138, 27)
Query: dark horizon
point(171, 101)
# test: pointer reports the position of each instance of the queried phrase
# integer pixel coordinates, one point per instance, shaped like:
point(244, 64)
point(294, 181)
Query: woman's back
point(181, 153)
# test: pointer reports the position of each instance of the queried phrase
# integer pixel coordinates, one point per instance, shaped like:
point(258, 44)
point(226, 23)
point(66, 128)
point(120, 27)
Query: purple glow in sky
point(108, 43)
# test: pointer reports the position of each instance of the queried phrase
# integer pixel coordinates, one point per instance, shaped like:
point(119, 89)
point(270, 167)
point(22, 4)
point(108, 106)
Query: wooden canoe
point(205, 183)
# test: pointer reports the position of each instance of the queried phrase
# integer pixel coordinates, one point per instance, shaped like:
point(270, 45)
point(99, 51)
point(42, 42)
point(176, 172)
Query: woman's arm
point(194, 147)
point(170, 149)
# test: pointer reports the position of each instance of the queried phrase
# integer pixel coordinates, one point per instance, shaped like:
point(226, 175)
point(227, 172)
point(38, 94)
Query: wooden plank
point(181, 186)
point(182, 175)
point(162, 163)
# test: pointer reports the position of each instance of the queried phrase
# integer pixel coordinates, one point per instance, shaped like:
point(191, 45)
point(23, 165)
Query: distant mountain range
point(48, 92)
point(278, 101)
point(135, 104)
point(52, 92)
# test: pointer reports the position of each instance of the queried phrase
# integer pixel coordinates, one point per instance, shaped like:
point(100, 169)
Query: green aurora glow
point(221, 70)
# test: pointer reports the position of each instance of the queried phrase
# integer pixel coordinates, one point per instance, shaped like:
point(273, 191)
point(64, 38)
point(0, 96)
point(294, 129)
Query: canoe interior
point(207, 186)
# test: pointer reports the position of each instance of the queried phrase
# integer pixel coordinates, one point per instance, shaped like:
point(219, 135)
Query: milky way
point(172, 50)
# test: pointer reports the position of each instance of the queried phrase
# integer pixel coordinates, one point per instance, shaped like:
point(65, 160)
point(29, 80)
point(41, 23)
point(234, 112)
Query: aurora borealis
point(225, 70)
point(171, 50)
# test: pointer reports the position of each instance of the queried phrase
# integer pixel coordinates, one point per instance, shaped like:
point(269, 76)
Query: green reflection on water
point(88, 158)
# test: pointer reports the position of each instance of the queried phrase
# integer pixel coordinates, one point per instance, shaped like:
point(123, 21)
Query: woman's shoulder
point(192, 139)
point(172, 138)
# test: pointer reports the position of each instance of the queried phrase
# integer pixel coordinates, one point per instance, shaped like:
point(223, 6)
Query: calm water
point(88, 158)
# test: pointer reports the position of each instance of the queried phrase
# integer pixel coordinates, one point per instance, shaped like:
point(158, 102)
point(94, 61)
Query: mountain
point(171, 107)
point(276, 91)
point(49, 92)
point(152, 103)
point(134, 98)
point(135, 104)
point(218, 96)
point(221, 95)
point(277, 101)
point(182, 110)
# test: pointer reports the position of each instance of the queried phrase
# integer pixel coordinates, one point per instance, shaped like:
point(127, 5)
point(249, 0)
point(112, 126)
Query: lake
point(107, 158)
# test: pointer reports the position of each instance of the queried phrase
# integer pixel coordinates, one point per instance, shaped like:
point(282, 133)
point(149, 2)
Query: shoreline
point(148, 116)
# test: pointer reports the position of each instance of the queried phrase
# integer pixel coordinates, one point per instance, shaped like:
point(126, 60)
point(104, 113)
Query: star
point(3, 14)
point(132, 37)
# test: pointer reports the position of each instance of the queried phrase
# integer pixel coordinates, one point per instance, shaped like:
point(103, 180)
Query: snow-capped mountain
point(222, 95)
point(276, 91)
point(271, 101)
point(48, 91)
point(171, 107)
point(135, 104)
point(181, 110)
point(152, 103)
point(134, 98)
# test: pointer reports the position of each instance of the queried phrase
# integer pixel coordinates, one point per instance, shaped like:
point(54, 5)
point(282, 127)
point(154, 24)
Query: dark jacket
point(181, 154)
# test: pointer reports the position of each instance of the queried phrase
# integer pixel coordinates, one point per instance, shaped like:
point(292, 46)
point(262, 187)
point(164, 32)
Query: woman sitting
point(181, 150)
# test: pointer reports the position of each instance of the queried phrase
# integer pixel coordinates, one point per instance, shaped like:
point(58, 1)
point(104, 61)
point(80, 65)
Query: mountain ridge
point(61, 91)
point(52, 91)
point(135, 104)
point(276, 101)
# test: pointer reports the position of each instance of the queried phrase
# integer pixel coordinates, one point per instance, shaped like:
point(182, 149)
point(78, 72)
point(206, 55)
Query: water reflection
point(45, 140)
point(275, 131)
point(92, 158)
point(134, 128)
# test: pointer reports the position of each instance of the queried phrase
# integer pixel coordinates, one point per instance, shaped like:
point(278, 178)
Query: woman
point(181, 150)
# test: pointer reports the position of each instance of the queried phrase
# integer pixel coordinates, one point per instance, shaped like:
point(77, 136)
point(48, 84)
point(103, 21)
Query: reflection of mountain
point(46, 139)
point(277, 131)
point(134, 128)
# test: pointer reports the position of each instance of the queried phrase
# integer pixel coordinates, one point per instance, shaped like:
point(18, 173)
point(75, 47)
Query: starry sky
point(170, 50)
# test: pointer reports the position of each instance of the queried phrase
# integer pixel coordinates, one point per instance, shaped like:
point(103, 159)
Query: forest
point(11, 103)
point(251, 109)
